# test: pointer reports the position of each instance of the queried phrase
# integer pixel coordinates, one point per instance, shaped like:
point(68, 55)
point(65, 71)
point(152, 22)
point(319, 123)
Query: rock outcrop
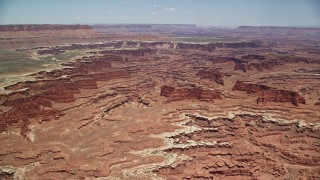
point(249, 87)
point(249, 44)
point(214, 75)
point(239, 149)
point(36, 102)
point(222, 59)
point(273, 95)
point(166, 91)
point(253, 57)
point(205, 47)
point(256, 66)
point(244, 64)
point(267, 94)
point(34, 107)
point(131, 52)
point(143, 108)
point(62, 49)
point(202, 47)
point(174, 94)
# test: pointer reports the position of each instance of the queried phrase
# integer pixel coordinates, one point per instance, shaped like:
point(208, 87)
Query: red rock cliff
point(249, 88)
point(268, 94)
point(189, 93)
point(272, 95)
point(215, 76)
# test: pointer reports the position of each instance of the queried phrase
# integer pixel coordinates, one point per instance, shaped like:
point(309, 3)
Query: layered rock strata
point(214, 75)
point(148, 110)
point(267, 94)
point(175, 94)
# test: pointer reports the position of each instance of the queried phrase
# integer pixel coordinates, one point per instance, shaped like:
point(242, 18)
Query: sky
point(199, 12)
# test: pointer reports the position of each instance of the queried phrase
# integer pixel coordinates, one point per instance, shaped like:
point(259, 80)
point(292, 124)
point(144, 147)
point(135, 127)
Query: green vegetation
point(16, 66)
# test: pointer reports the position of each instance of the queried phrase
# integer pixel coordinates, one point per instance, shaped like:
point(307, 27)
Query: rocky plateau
point(149, 107)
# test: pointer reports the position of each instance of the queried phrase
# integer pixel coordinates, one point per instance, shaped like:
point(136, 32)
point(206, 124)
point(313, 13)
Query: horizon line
point(184, 24)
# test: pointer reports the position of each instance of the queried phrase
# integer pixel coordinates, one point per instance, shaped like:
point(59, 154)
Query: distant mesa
point(42, 30)
point(42, 27)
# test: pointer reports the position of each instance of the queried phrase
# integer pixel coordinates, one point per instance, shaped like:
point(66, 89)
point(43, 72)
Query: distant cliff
point(36, 30)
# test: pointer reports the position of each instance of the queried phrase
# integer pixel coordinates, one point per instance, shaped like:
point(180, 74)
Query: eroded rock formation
point(36, 101)
point(244, 147)
point(238, 44)
point(267, 94)
point(273, 95)
point(139, 107)
point(249, 87)
point(205, 47)
point(255, 66)
point(214, 75)
point(174, 94)
point(253, 57)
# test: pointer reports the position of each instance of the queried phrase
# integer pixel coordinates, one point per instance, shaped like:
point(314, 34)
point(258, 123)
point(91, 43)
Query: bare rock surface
point(159, 109)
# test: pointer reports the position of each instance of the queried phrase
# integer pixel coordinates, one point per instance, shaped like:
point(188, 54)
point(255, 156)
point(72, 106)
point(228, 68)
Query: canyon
point(130, 105)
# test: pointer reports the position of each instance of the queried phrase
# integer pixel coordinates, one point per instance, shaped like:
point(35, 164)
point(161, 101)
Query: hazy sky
point(200, 12)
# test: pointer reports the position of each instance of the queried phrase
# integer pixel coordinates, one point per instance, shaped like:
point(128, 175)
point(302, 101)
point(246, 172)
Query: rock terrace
point(161, 109)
